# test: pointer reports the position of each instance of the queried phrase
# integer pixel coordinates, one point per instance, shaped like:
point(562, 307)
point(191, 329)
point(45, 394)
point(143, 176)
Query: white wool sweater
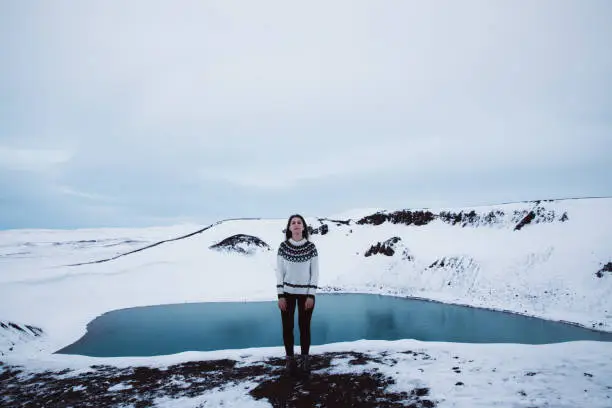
point(297, 268)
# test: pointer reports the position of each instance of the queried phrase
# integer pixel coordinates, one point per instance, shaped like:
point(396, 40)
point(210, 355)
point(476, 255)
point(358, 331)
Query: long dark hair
point(288, 231)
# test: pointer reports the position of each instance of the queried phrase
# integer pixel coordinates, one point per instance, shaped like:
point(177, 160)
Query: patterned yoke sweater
point(297, 269)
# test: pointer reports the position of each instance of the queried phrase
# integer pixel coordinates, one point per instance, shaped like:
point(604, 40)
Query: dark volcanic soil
point(105, 386)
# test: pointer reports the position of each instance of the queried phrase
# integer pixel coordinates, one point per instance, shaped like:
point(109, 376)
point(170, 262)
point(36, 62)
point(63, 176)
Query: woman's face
point(296, 226)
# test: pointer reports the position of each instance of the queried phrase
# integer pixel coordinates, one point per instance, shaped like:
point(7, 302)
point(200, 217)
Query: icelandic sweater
point(297, 268)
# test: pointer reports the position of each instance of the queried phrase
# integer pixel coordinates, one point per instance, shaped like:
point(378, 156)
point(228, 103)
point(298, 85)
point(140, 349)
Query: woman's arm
point(314, 276)
point(280, 275)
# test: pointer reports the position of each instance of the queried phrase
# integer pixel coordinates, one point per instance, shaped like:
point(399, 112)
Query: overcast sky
point(142, 113)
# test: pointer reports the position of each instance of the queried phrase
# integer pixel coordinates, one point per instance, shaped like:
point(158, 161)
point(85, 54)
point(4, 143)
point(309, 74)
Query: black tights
point(304, 317)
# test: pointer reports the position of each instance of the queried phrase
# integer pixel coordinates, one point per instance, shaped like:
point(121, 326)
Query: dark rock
point(374, 219)
point(241, 243)
point(36, 330)
point(323, 229)
point(606, 268)
point(438, 263)
point(14, 326)
point(385, 248)
point(337, 222)
point(465, 219)
point(405, 217)
point(526, 220)
point(420, 392)
point(412, 217)
point(539, 214)
point(458, 263)
point(406, 255)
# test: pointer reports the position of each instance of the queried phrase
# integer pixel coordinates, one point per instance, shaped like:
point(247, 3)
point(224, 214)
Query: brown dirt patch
point(139, 386)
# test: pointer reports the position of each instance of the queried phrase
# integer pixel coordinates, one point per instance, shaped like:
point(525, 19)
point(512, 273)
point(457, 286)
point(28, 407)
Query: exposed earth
point(140, 386)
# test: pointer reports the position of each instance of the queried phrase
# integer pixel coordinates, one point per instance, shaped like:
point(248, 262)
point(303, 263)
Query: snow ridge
point(469, 218)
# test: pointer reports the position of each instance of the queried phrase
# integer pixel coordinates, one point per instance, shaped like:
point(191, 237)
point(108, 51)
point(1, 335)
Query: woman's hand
point(282, 304)
point(309, 303)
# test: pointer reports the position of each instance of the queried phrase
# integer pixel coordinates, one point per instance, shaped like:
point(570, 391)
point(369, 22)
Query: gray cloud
point(150, 111)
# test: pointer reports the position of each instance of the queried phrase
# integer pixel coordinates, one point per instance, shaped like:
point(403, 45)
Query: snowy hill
point(543, 258)
point(549, 259)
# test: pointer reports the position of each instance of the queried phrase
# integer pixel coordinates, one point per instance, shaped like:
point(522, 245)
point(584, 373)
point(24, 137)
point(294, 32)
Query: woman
point(297, 277)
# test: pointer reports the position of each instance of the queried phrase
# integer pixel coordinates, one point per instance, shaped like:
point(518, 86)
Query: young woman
point(297, 277)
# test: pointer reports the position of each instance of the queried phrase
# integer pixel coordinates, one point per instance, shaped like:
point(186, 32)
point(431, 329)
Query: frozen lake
point(168, 329)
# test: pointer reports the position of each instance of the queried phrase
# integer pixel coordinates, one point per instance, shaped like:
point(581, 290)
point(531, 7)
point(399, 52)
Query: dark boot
point(305, 366)
point(290, 365)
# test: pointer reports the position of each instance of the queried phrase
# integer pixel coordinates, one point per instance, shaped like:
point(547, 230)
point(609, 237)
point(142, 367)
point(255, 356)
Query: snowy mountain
point(549, 258)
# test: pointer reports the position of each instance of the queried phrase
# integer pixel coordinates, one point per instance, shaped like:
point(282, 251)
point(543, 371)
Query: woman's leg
point(304, 318)
point(287, 319)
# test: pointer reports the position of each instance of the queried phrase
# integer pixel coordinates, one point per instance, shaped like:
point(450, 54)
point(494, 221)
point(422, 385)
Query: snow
point(230, 396)
point(119, 387)
point(546, 270)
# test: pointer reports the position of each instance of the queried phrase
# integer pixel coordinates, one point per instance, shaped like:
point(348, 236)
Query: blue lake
point(168, 329)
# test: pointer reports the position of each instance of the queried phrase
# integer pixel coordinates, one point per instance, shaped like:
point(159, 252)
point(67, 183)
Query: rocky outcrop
point(537, 215)
point(455, 270)
point(337, 222)
point(242, 244)
point(12, 333)
point(405, 217)
point(383, 248)
point(469, 218)
point(322, 230)
point(472, 218)
point(457, 263)
point(606, 268)
point(389, 248)
point(518, 218)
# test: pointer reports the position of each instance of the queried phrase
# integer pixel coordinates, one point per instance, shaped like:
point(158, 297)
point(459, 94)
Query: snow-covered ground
point(537, 258)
